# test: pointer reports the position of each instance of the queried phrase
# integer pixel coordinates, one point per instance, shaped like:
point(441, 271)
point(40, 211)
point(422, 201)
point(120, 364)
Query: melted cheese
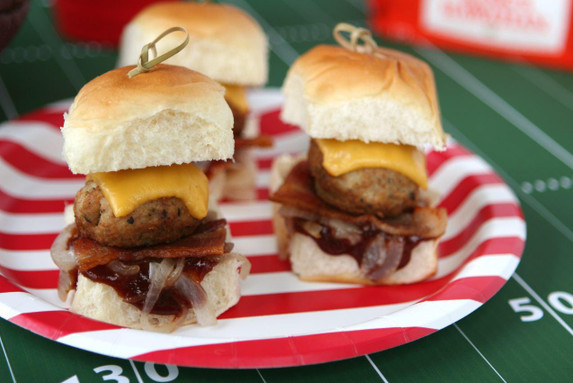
point(237, 96)
point(340, 157)
point(125, 190)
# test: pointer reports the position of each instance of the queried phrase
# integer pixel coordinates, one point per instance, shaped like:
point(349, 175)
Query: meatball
point(378, 191)
point(158, 221)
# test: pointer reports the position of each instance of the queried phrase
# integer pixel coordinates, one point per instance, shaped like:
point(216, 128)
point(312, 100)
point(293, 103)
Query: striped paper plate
point(279, 321)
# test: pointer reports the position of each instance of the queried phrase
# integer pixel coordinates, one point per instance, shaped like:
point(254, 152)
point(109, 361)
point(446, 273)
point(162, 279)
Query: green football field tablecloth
point(516, 117)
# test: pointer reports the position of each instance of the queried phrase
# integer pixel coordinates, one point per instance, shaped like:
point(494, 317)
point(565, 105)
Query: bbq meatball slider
point(230, 47)
point(146, 249)
point(355, 209)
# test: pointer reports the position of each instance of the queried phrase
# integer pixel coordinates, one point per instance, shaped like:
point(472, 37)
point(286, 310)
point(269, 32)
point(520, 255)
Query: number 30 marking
point(151, 371)
point(114, 373)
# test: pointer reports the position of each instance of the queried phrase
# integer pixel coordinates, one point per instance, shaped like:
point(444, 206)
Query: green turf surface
point(516, 117)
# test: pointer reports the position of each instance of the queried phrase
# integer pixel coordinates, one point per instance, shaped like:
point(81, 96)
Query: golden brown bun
point(169, 115)
point(310, 263)
point(332, 92)
point(225, 43)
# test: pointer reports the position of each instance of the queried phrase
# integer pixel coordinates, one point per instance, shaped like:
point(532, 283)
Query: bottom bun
point(100, 301)
point(310, 263)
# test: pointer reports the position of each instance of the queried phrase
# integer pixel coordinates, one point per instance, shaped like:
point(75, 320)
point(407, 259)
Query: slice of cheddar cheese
point(340, 157)
point(237, 96)
point(125, 190)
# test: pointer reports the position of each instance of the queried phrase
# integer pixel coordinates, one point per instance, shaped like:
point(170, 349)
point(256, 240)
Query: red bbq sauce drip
point(338, 246)
point(133, 288)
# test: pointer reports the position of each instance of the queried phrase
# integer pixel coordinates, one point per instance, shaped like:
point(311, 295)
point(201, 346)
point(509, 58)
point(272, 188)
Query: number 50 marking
point(560, 300)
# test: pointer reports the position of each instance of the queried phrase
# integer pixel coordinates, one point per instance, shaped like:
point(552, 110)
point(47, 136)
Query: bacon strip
point(297, 191)
point(208, 240)
point(261, 141)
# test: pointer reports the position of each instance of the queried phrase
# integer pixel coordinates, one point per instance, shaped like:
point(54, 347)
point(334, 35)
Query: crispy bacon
point(215, 167)
point(297, 191)
point(261, 141)
point(207, 240)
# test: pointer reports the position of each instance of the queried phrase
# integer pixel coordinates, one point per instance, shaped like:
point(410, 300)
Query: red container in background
point(96, 20)
point(536, 31)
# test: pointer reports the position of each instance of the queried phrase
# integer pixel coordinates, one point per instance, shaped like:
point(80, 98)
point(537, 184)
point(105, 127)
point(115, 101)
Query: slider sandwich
point(145, 250)
point(356, 208)
point(227, 45)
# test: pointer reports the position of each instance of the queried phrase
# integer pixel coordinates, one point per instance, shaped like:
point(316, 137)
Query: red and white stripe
point(280, 321)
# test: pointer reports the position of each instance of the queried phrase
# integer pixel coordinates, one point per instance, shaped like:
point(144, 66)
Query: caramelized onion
point(122, 269)
point(293, 212)
point(180, 319)
point(66, 282)
point(340, 229)
point(195, 293)
point(312, 228)
point(343, 230)
point(158, 274)
point(176, 273)
point(382, 257)
point(63, 256)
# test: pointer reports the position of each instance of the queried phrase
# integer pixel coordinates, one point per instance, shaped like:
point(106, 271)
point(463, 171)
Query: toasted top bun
point(225, 43)
point(169, 115)
point(390, 97)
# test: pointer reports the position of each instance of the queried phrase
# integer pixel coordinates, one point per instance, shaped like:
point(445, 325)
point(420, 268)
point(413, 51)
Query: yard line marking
point(137, 376)
point(456, 72)
point(535, 296)
point(532, 202)
point(7, 360)
point(551, 184)
point(46, 30)
point(278, 44)
point(261, 375)
point(6, 102)
point(376, 368)
point(479, 352)
point(546, 83)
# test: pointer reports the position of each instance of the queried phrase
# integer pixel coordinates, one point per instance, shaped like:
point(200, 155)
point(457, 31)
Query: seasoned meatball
point(159, 221)
point(377, 191)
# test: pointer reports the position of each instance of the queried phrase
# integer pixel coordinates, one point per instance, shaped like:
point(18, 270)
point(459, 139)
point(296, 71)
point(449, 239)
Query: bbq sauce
point(337, 246)
point(409, 244)
point(133, 288)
